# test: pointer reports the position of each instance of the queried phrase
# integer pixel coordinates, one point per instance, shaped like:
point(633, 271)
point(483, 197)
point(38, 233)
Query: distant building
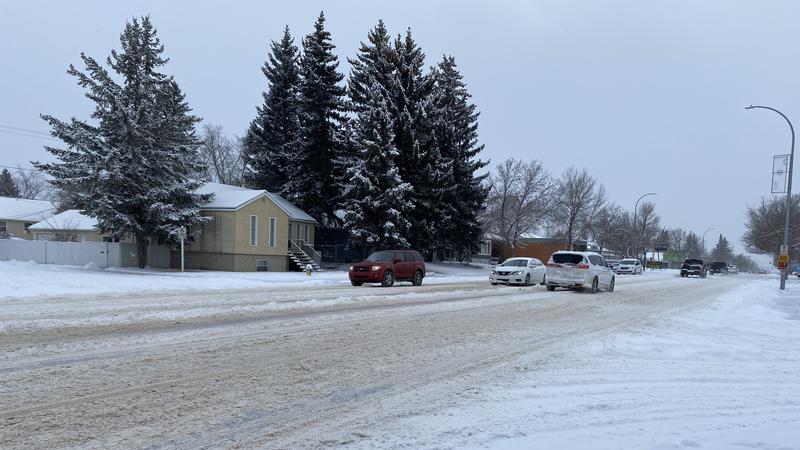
point(17, 215)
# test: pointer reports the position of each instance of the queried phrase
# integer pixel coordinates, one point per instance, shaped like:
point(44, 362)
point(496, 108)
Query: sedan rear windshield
point(567, 258)
point(381, 256)
point(515, 263)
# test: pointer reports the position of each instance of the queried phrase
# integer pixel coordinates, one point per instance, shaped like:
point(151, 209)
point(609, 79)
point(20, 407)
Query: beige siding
point(218, 235)
point(263, 209)
point(16, 228)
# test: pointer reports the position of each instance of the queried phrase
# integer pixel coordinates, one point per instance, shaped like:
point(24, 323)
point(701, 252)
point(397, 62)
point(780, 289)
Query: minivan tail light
point(582, 266)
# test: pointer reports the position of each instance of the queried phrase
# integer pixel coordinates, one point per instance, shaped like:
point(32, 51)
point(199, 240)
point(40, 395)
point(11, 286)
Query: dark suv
point(693, 266)
point(719, 267)
point(387, 266)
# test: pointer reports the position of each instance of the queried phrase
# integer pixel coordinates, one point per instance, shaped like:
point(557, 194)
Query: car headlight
point(493, 273)
point(351, 268)
point(518, 272)
point(376, 268)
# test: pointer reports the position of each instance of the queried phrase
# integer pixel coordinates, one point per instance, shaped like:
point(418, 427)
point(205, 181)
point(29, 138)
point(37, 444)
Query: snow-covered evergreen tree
point(374, 63)
point(131, 167)
point(272, 141)
point(419, 161)
point(455, 124)
point(317, 187)
point(375, 197)
point(8, 188)
point(723, 251)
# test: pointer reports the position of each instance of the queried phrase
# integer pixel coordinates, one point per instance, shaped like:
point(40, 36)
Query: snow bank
point(726, 376)
point(28, 279)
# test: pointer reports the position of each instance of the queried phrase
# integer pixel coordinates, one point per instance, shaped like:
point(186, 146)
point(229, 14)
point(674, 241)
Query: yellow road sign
point(783, 261)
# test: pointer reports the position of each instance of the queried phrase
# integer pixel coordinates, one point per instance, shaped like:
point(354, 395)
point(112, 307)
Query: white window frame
point(305, 232)
point(291, 228)
point(272, 236)
point(253, 231)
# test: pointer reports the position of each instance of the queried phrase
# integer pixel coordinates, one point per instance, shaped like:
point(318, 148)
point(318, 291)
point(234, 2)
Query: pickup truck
point(693, 267)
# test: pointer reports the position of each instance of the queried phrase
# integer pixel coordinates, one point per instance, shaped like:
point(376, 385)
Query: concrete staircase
point(302, 254)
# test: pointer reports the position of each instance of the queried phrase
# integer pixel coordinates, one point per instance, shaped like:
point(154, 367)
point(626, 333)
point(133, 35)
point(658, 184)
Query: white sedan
point(525, 271)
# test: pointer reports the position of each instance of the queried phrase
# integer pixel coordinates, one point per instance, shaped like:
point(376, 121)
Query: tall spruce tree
point(317, 188)
point(272, 141)
point(723, 251)
point(132, 167)
point(419, 161)
point(375, 197)
point(8, 188)
point(455, 124)
point(374, 63)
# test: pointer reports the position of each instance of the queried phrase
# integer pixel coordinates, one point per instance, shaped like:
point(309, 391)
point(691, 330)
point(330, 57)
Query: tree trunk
point(141, 250)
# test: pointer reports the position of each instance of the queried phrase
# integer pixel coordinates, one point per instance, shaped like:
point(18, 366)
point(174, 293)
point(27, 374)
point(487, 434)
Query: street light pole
point(704, 242)
point(638, 239)
point(785, 271)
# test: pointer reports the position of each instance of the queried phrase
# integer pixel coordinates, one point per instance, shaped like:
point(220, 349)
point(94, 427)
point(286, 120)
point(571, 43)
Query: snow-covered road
point(441, 366)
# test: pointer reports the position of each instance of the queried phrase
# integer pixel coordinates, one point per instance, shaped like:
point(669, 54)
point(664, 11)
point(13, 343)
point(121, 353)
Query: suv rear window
point(567, 258)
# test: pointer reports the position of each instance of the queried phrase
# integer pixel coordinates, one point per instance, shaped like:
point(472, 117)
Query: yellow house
point(17, 215)
point(251, 230)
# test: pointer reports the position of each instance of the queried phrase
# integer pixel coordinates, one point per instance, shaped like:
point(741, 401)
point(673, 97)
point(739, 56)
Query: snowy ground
point(663, 362)
point(28, 279)
point(720, 377)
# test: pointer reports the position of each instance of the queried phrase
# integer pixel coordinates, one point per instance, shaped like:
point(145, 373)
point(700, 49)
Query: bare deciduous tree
point(647, 226)
point(31, 184)
point(764, 225)
point(577, 196)
point(222, 156)
point(519, 200)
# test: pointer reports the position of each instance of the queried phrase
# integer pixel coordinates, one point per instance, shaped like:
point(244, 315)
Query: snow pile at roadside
point(28, 279)
point(726, 376)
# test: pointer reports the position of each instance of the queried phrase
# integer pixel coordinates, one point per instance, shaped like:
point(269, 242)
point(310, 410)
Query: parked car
point(630, 265)
point(718, 268)
point(387, 266)
point(579, 270)
point(733, 270)
point(613, 264)
point(693, 267)
point(518, 271)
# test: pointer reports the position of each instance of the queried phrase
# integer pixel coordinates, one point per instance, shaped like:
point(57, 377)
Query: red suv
point(387, 266)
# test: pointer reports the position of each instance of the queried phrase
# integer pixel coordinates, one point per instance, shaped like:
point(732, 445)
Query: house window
point(305, 233)
point(254, 230)
point(2, 227)
point(291, 227)
point(273, 224)
point(486, 247)
point(262, 265)
point(27, 225)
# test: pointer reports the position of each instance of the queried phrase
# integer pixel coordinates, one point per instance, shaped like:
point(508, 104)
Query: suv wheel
point(595, 285)
point(356, 283)
point(388, 279)
point(551, 287)
point(417, 278)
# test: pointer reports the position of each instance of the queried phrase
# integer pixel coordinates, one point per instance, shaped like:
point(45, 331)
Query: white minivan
point(579, 270)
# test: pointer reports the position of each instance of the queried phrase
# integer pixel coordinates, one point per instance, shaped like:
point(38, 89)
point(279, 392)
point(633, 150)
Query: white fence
point(101, 254)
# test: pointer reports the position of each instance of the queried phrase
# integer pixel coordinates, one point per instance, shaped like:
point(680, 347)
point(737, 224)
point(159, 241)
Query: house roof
point(294, 212)
point(24, 209)
point(71, 219)
point(227, 197)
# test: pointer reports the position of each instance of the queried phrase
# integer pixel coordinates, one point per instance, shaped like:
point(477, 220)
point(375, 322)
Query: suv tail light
point(582, 266)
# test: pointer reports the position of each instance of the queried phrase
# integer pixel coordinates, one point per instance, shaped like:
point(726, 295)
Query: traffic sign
point(783, 262)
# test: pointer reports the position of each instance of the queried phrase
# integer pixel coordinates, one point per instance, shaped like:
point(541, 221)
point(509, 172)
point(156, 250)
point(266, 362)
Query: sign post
point(182, 236)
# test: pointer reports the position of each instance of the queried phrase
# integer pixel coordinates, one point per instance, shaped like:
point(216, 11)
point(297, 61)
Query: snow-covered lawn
point(726, 376)
point(27, 279)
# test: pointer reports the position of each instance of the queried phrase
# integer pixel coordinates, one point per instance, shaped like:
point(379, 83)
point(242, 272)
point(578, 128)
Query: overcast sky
point(649, 95)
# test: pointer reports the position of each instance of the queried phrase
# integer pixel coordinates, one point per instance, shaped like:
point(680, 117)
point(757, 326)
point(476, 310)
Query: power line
point(20, 168)
point(26, 130)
